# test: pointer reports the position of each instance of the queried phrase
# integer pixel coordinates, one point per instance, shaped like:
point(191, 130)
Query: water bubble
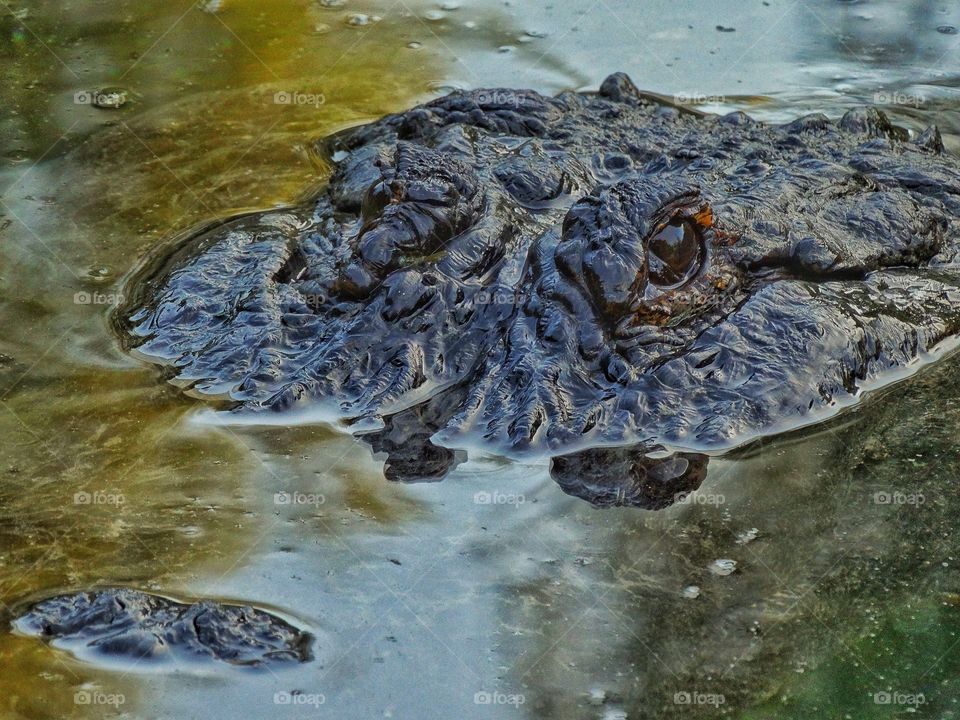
point(597, 696)
point(747, 536)
point(470, 25)
point(99, 273)
point(434, 15)
point(414, 45)
point(332, 3)
point(691, 592)
point(536, 33)
point(450, 6)
point(506, 49)
point(360, 19)
point(722, 566)
point(947, 30)
point(441, 88)
point(321, 28)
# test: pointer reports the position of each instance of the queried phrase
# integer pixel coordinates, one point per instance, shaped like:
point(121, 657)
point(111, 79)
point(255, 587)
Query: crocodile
point(127, 624)
point(569, 275)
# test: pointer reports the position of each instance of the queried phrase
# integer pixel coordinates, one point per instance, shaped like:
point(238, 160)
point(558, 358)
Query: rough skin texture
point(549, 275)
point(124, 623)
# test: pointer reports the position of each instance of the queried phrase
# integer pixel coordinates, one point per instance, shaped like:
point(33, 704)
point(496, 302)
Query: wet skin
point(567, 275)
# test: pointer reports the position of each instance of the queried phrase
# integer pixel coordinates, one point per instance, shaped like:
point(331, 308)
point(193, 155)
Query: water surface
point(491, 594)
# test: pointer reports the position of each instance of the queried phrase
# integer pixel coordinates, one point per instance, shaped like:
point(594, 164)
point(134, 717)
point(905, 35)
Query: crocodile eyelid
point(704, 217)
point(697, 212)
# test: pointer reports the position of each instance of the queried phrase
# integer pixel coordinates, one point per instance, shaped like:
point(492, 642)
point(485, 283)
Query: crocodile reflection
point(605, 477)
point(608, 477)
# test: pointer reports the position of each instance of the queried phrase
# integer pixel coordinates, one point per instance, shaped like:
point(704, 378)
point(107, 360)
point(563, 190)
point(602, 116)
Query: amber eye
point(376, 198)
point(673, 253)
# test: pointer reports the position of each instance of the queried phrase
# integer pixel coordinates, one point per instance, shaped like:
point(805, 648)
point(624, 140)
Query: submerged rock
point(130, 624)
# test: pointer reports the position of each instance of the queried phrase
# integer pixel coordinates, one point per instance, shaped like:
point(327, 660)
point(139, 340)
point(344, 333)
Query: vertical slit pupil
point(673, 252)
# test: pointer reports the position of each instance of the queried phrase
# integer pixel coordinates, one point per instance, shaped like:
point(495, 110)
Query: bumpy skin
point(124, 623)
point(482, 266)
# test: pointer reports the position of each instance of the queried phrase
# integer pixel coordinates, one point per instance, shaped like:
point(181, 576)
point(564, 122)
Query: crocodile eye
point(375, 199)
point(674, 253)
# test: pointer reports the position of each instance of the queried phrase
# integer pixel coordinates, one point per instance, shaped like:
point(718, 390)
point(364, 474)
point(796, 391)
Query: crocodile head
point(553, 275)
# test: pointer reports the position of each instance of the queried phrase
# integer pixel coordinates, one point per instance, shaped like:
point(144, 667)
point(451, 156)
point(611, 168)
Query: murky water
point(811, 577)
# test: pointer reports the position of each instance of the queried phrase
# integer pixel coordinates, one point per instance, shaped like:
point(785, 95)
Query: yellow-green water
point(421, 598)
